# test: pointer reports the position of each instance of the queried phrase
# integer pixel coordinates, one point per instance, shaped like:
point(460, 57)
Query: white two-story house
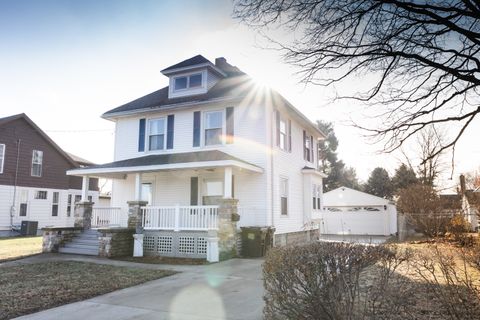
point(214, 133)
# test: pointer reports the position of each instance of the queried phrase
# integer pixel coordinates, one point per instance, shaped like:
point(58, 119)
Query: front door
point(147, 192)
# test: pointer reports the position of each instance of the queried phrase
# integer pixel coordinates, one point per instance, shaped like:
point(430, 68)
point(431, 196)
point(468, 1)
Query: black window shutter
point(230, 125)
point(305, 153)
point(277, 120)
point(194, 191)
point(196, 129)
point(170, 132)
point(141, 135)
point(289, 135)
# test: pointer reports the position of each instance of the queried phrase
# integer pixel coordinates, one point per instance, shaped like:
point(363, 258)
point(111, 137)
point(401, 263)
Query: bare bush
point(327, 281)
point(448, 278)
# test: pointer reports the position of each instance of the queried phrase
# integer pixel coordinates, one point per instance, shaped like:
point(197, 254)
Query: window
point(41, 195)
point(283, 134)
point(37, 161)
point(2, 157)
point(316, 193)
point(186, 82)
point(156, 134)
point(69, 205)
point(308, 147)
point(55, 204)
point(283, 196)
point(213, 128)
point(23, 203)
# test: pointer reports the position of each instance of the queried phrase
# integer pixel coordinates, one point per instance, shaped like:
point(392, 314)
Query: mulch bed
point(163, 260)
point(29, 288)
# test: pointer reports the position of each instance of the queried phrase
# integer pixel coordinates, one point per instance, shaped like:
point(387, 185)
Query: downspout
point(12, 208)
point(272, 204)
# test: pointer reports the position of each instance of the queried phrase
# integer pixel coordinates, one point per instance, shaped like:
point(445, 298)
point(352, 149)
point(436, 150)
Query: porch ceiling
point(171, 161)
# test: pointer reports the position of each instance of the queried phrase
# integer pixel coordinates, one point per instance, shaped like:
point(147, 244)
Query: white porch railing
point(178, 218)
point(108, 217)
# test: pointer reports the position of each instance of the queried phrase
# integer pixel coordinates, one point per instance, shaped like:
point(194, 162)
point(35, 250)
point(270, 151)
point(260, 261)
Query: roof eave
point(168, 72)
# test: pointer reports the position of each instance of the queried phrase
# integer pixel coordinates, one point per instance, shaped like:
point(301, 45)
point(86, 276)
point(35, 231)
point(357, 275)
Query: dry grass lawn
point(17, 247)
point(30, 288)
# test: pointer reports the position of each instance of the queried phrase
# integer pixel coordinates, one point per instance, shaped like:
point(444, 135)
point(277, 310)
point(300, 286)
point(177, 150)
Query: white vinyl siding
point(2, 157)
point(37, 163)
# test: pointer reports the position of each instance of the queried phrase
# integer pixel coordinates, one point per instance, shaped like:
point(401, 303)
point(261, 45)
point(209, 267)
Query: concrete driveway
point(227, 290)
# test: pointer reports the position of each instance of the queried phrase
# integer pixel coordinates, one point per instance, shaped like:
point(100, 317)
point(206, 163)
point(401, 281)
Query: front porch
point(181, 209)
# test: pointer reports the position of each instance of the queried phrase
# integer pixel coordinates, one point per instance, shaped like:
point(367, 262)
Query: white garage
point(350, 212)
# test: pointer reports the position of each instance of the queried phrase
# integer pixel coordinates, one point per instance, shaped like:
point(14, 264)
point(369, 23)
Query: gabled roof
point(344, 196)
point(473, 198)
point(5, 120)
point(451, 201)
point(236, 85)
point(198, 59)
point(79, 160)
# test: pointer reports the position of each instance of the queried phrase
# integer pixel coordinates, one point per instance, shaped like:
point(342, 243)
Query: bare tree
point(424, 56)
point(430, 142)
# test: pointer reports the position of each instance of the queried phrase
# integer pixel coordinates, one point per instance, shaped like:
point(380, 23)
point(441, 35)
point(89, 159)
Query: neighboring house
point(33, 181)
point(466, 202)
point(214, 133)
point(352, 213)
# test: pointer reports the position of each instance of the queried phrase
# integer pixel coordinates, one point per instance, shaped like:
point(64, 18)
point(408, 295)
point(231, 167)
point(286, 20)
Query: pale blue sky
point(64, 63)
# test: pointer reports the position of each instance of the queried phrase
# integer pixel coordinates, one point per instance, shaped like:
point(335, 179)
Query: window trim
point(203, 127)
point(55, 204)
point(284, 195)
point(40, 163)
point(188, 87)
point(165, 130)
point(2, 163)
point(288, 132)
point(36, 195)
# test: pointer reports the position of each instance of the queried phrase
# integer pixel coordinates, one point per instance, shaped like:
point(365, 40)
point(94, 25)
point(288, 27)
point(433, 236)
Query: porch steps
point(85, 243)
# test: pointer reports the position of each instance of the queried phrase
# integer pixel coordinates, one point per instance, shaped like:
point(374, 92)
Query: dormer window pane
point(180, 83)
point(156, 134)
point(195, 80)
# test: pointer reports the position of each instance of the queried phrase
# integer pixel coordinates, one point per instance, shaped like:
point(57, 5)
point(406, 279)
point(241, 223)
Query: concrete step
point(78, 251)
point(86, 237)
point(93, 242)
point(81, 246)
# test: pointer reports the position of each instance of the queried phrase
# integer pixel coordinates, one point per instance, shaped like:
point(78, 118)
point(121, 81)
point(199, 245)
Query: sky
point(64, 63)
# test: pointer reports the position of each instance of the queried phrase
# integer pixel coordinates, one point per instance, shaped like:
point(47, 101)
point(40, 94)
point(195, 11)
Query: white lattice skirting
point(185, 244)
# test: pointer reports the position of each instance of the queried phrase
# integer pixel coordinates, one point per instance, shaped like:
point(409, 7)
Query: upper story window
point(37, 163)
point(213, 127)
point(2, 157)
point(187, 82)
point(284, 132)
point(308, 147)
point(156, 134)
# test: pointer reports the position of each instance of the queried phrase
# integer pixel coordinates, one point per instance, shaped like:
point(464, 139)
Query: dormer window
point(187, 82)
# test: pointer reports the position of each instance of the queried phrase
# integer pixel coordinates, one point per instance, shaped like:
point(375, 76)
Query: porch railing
point(178, 218)
point(108, 217)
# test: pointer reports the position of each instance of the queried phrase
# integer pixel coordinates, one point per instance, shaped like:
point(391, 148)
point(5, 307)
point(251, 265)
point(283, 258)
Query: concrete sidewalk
point(228, 290)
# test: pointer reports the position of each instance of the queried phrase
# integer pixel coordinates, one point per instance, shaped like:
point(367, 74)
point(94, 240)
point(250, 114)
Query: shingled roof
point(198, 59)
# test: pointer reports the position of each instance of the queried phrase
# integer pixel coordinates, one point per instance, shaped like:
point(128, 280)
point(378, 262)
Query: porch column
point(85, 185)
point(138, 186)
point(227, 183)
point(227, 228)
point(83, 214)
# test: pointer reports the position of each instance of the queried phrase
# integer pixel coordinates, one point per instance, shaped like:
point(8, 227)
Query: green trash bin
point(256, 241)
